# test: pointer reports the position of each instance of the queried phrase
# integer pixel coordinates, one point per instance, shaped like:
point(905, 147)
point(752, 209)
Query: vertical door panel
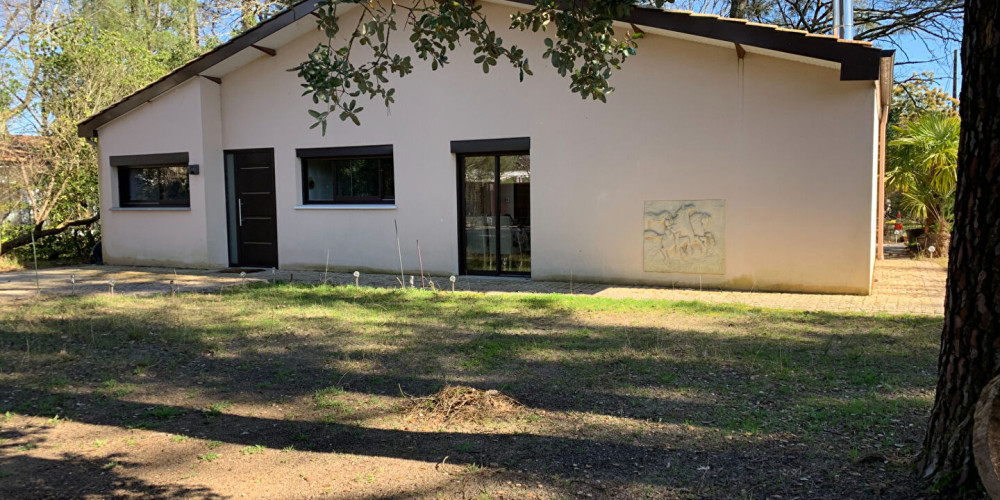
point(515, 215)
point(257, 228)
point(480, 213)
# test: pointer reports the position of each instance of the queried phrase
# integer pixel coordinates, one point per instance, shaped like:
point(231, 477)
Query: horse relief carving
point(686, 236)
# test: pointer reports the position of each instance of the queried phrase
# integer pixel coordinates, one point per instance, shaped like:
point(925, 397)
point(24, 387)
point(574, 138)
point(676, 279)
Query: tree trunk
point(25, 239)
point(738, 9)
point(942, 237)
point(936, 225)
point(192, 23)
point(970, 340)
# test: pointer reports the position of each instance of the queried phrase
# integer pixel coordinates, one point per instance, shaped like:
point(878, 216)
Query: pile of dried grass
point(458, 403)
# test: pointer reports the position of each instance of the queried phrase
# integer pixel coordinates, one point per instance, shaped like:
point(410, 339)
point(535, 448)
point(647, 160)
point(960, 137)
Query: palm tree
point(922, 162)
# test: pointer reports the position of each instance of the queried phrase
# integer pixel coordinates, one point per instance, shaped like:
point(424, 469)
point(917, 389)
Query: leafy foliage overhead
point(582, 44)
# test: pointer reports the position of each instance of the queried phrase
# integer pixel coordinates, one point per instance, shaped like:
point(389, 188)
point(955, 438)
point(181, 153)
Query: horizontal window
point(154, 185)
point(348, 179)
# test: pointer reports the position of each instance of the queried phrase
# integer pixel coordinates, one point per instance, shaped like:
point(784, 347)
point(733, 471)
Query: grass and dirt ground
point(297, 391)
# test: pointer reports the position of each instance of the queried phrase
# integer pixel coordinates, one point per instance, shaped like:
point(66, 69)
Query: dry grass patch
point(8, 264)
point(463, 404)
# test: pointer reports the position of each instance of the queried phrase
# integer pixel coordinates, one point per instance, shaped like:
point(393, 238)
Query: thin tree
point(78, 71)
point(24, 27)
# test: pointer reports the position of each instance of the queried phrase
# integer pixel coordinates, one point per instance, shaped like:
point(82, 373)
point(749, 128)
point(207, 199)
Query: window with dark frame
point(153, 180)
point(352, 175)
point(494, 200)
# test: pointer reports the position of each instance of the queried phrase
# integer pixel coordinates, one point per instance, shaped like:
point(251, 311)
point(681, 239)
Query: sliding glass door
point(495, 225)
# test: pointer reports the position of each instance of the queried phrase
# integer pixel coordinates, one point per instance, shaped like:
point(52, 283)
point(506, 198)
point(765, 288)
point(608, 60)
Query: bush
point(72, 246)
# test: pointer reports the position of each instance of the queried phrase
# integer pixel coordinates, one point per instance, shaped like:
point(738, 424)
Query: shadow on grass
point(85, 477)
point(720, 368)
point(653, 462)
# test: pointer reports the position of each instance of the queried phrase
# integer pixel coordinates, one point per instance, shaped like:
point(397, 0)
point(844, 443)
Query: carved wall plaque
point(685, 236)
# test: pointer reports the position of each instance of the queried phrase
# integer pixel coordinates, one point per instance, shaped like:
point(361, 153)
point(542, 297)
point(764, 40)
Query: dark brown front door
point(253, 193)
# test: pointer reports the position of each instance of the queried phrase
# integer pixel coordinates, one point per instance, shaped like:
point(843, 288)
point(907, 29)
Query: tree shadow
point(656, 462)
point(737, 369)
point(26, 477)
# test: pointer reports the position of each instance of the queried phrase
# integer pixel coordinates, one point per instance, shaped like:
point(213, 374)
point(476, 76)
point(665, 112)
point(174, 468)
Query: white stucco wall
point(185, 120)
point(786, 144)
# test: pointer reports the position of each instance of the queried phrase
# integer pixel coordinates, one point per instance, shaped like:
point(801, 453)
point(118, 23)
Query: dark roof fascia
point(485, 146)
point(88, 127)
point(149, 160)
point(857, 61)
point(886, 79)
point(346, 152)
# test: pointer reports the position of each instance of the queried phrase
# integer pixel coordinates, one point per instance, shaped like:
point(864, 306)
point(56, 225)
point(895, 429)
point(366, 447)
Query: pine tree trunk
point(192, 23)
point(738, 9)
point(970, 340)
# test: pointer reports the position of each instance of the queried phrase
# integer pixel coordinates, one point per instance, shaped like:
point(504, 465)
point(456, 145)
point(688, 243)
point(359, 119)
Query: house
point(732, 155)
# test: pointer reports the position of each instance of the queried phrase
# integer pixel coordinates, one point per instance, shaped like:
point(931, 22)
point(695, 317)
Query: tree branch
point(25, 239)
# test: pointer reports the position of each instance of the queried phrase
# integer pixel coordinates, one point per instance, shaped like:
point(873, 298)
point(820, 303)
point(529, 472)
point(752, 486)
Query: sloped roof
point(858, 60)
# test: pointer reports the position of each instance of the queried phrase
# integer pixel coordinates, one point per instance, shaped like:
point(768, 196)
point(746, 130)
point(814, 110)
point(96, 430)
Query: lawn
point(293, 391)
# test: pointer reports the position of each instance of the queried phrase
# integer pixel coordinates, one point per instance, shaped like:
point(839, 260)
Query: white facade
point(790, 147)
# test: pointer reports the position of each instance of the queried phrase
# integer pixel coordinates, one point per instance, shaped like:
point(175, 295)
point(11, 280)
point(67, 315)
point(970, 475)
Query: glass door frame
point(462, 244)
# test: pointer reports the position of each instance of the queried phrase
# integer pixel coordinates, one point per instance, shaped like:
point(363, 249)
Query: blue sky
point(934, 55)
point(912, 48)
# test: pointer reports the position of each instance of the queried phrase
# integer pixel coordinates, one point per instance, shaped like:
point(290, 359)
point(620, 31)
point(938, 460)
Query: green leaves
point(351, 110)
point(585, 47)
point(922, 162)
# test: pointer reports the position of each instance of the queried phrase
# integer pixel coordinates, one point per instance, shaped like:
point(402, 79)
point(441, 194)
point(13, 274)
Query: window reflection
point(155, 185)
point(348, 180)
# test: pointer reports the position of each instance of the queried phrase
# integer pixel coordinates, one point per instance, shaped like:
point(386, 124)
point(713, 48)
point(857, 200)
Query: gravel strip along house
point(732, 155)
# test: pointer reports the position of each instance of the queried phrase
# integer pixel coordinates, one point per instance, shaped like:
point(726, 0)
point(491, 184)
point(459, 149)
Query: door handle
point(240, 210)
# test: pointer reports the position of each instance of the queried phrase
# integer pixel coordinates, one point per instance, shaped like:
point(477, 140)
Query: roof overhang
point(856, 60)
